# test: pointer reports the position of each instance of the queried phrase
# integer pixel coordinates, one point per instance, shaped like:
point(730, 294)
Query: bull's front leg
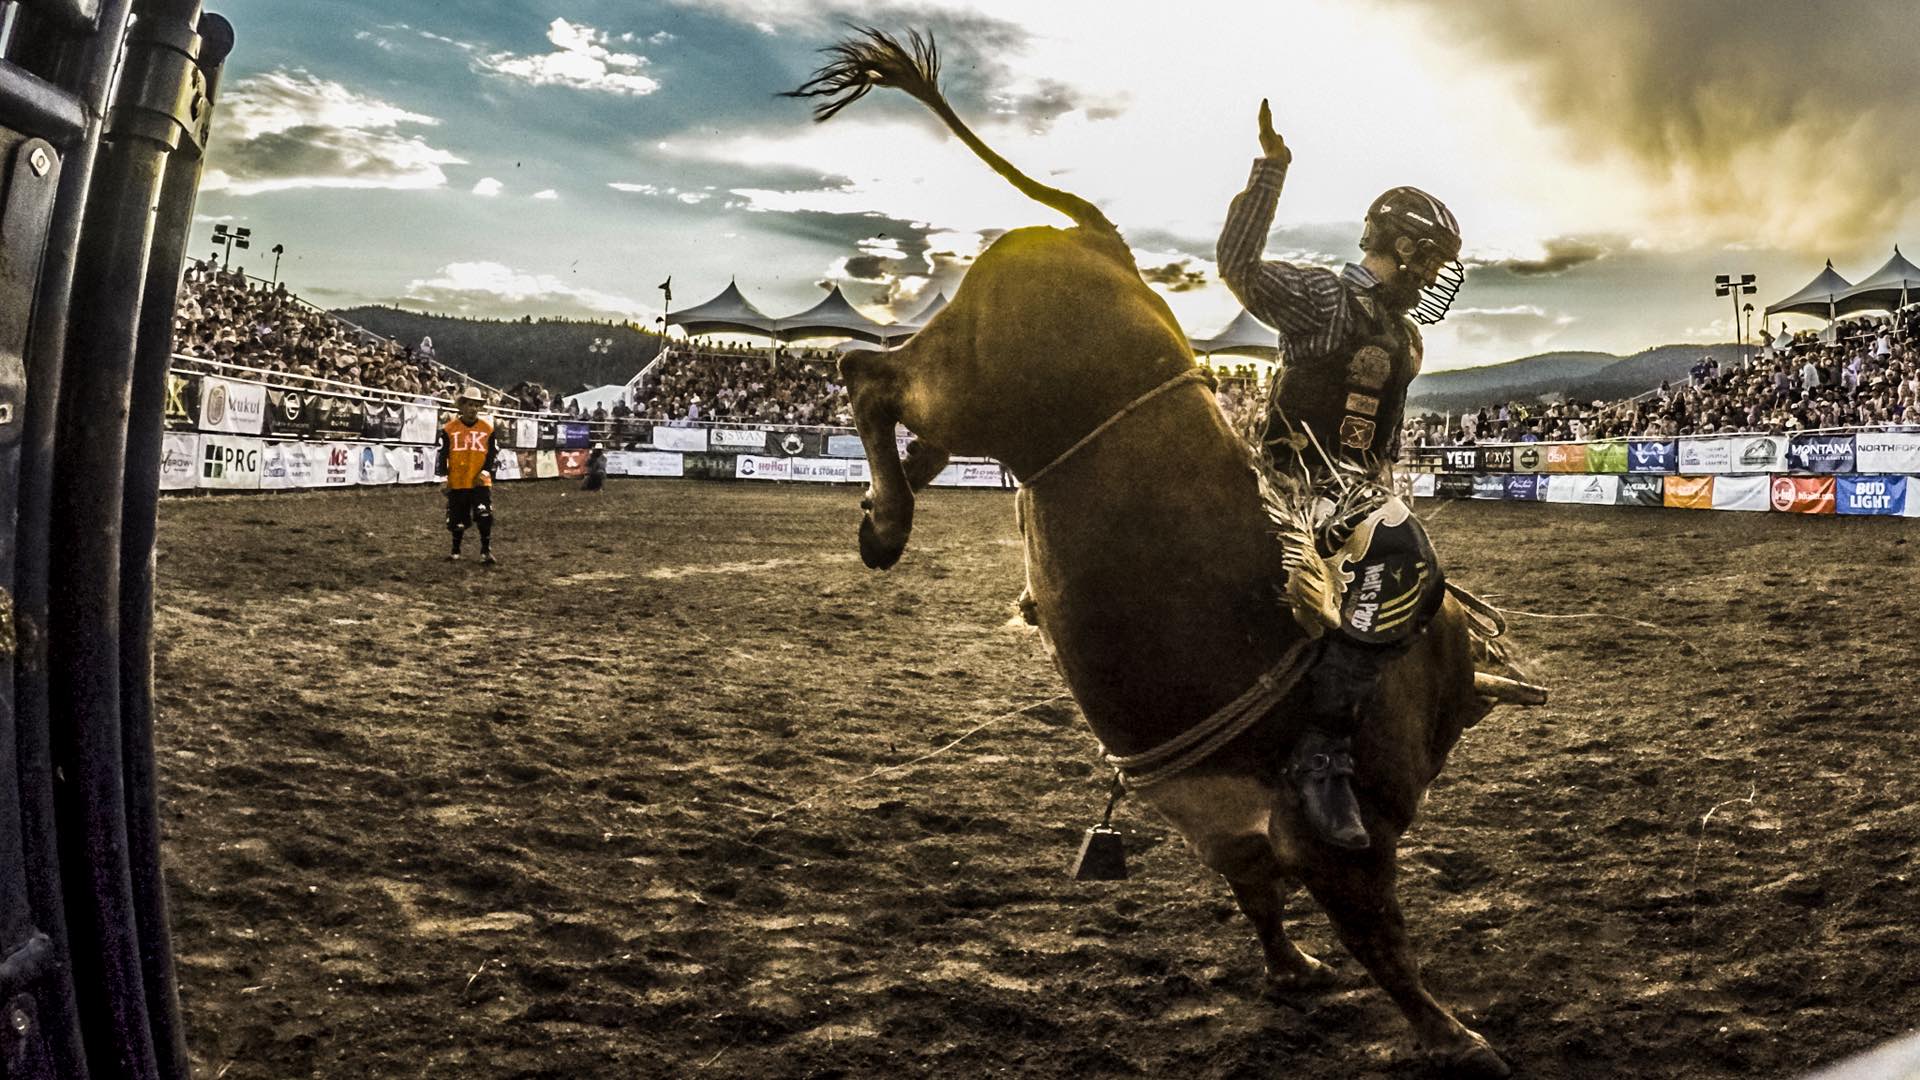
point(888, 520)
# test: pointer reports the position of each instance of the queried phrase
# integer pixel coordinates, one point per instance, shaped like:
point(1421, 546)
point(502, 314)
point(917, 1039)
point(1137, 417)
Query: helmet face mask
point(1422, 237)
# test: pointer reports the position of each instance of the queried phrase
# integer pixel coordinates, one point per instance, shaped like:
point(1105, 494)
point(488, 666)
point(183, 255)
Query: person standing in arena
point(467, 452)
point(1333, 420)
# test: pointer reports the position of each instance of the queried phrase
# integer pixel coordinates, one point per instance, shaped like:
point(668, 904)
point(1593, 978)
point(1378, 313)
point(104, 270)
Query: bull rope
point(1190, 375)
point(1183, 751)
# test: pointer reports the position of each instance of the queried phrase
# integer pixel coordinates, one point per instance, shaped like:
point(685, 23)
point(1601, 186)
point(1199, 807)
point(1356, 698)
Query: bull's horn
point(1511, 691)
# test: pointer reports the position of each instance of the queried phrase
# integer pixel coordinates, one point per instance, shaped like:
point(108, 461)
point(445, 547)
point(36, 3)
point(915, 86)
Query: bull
point(1152, 565)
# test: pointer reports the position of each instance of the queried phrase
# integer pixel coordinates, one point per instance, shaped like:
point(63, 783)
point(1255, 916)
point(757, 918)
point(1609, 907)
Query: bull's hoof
point(877, 553)
point(1474, 1061)
point(1309, 979)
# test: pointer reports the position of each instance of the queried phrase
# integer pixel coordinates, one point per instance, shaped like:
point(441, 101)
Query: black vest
point(1351, 398)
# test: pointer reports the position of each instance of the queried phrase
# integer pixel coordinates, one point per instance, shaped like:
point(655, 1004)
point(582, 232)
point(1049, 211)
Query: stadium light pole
point(1728, 285)
point(230, 240)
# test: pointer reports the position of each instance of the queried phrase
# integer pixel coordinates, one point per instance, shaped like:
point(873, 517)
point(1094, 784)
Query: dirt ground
point(617, 808)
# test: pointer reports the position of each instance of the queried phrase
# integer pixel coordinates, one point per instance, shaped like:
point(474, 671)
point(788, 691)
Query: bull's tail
point(875, 58)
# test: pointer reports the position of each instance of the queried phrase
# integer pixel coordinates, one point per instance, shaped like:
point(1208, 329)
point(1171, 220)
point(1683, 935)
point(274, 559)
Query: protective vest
point(466, 452)
point(1353, 397)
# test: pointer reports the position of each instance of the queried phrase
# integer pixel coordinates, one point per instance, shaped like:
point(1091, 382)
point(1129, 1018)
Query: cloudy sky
point(563, 157)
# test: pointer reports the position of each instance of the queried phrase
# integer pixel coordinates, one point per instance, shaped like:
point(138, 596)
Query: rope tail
point(876, 58)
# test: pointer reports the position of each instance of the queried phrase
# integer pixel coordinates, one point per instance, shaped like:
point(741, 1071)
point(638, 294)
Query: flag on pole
point(667, 288)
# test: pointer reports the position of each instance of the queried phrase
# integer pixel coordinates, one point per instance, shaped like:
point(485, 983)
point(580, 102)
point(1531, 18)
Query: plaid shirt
point(1309, 305)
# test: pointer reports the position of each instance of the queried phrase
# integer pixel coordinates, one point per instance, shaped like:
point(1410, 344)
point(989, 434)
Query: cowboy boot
point(1320, 768)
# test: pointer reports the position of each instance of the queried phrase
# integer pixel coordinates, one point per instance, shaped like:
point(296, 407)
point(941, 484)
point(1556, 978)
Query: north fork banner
point(1886, 452)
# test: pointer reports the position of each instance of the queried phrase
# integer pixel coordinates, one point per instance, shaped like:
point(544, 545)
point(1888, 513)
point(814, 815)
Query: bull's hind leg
point(1357, 890)
point(873, 385)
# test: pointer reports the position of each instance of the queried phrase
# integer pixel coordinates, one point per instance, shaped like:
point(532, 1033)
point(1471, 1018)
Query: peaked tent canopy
point(1817, 298)
point(911, 325)
point(728, 313)
point(833, 316)
point(1245, 336)
point(1889, 288)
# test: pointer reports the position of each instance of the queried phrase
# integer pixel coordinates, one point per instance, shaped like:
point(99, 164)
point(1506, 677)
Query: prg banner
point(229, 463)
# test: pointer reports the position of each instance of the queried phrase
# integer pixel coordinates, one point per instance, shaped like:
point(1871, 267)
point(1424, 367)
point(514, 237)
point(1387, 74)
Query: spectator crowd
point(705, 381)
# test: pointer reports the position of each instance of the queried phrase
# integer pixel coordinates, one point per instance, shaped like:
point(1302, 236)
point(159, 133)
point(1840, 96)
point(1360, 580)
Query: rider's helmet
point(1422, 236)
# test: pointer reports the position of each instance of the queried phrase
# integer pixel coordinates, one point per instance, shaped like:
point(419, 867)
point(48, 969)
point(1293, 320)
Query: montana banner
point(526, 434)
point(239, 408)
point(1423, 484)
point(1489, 487)
point(183, 401)
point(371, 465)
point(1821, 453)
point(575, 435)
point(289, 412)
point(1886, 451)
point(1741, 493)
point(1609, 456)
point(1757, 454)
point(1529, 457)
point(988, 474)
point(572, 462)
point(1651, 457)
point(1641, 490)
point(421, 424)
point(380, 420)
point(1701, 456)
point(1802, 494)
point(341, 468)
point(545, 465)
point(742, 440)
point(229, 463)
point(1525, 487)
point(1460, 458)
point(337, 415)
point(179, 461)
point(819, 470)
point(1591, 490)
point(1566, 457)
point(687, 440)
point(1871, 495)
point(1496, 459)
point(851, 446)
point(1453, 486)
point(1690, 492)
point(754, 467)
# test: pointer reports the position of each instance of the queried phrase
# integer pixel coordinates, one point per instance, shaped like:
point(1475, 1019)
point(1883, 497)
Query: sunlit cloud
point(581, 60)
point(488, 187)
point(290, 129)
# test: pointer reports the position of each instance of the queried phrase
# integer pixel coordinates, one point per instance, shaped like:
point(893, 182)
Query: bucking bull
point(1152, 563)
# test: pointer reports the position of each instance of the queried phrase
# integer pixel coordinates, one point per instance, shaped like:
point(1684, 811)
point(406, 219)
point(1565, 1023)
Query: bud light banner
point(1886, 452)
point(1652, 457)
point(684, 439)
point(1740, 493)
point(239, 408)
point(1607, 457)
point(1566, 457)
point(179, 461)
point(1489, 487)
point(574, 435)
point(183, 401)
point(1803, 494)
point(289, 412)
point(1453, 486)
point(1525, 488)
point(1690, 492)
point(1642, 490)
point(741, 439)
point(1821, 453)
point(1702, 456)
point(1460, 458)
point(231, 464)
point(1496, 459)
point(1757, 454)
point(1529, 457)
point(1871, 495)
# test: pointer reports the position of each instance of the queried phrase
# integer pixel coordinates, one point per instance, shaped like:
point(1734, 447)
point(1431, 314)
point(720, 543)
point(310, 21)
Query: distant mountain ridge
point(1572, 376)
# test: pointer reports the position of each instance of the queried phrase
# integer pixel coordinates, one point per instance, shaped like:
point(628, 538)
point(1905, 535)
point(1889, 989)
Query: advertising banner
point(572, 462)
point(687, 440)
point(1529, 457)
point(1591, 490)
point(737, 439)
point(1460, 458)
point(1607, 457)
point(229, 463)
point(1525, 487)
point(795, 443)
point(183, 401)
point(275, 475)
point(289, 412)
point(371, 465)
point(819, 470)
point(1638, 490)
point(575, 435)
point(1802, 494)
point(179, 461)
point(545, 465)
point(1821, 453)
point(1652, 457)
point(506, 465)
point(857, 471)
point(526, 434)
point(1496, 459)
point(1490, 487)
point(1423, 484)
point(654, 463)
point(1703, 456)
point(1757, 454)
point(1886, 451)
point(1872, 495)
point(414, 464)
point(549, 436)
point(239, 408)
point(527, 464)
point(379, 420)
point(1566, 457)
point(752, 467)
point(421, 424)
point(337, 415)
point(1453, 486)
point(1690, 492)
point(704, 466)
point(306, 464)
point(979, 474)
point(1740, 493)
point(341, 467)
point(850, 446)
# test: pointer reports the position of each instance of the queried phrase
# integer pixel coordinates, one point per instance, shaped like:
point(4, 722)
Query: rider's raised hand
point(1271, 144)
